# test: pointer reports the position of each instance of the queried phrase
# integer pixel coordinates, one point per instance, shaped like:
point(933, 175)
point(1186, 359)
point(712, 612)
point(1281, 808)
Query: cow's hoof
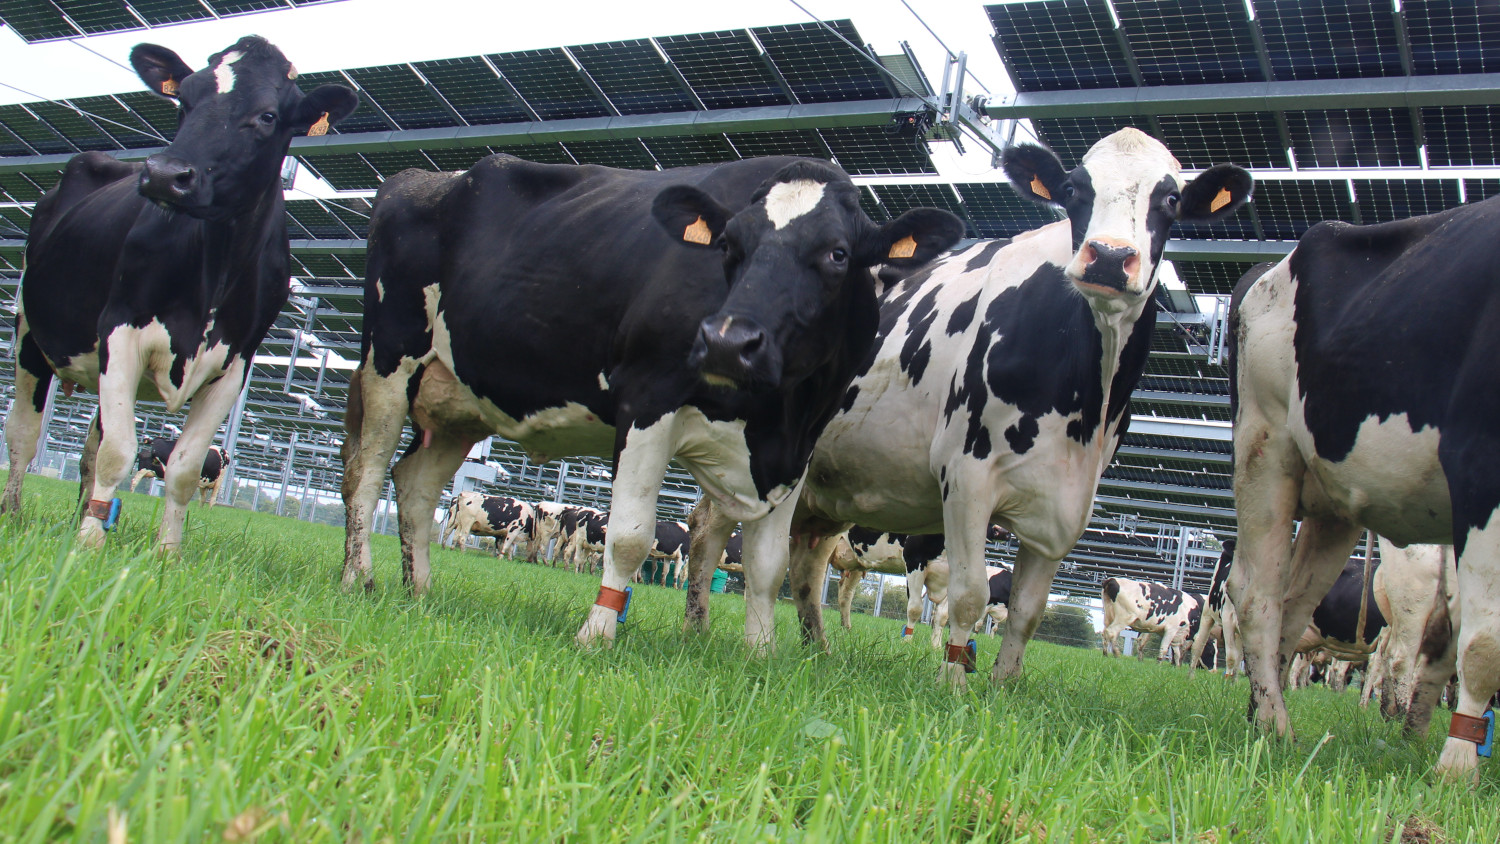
point(91, 534)
point(1459, 762)
point(953, 676)
point(599, 629)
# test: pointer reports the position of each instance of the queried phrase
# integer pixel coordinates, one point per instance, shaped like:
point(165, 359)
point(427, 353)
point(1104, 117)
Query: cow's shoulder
point(84, 175)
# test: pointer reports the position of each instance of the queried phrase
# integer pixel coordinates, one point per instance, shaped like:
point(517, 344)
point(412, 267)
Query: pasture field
point(236, 694)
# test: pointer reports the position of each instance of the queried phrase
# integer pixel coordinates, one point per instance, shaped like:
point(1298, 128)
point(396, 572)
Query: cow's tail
point(1111, 591)
point(1365, 587)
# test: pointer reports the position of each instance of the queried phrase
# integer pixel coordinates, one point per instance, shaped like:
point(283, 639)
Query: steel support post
point(879, 592)
point(286, 473)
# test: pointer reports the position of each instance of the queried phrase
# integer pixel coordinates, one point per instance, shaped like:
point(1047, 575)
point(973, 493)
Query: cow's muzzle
point(1109, 265)
point(735, 351)
point(170, 180)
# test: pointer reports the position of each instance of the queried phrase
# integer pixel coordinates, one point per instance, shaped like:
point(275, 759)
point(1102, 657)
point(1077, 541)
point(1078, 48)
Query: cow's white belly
point(152, 345)
point(1391, 481)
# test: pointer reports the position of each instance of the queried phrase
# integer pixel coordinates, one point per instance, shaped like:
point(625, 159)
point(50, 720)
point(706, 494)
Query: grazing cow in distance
point(548, 529)
point(671, 548)
point(998, 389)
point(584, 532)
point(153, 457)
point(997, 607)
point(920, 558)
point(1347, 620)
point(1364, 396)
point(1219, 622)
point(510, 520)
point(160, 279)
point(710, 314)
point(1147, 608)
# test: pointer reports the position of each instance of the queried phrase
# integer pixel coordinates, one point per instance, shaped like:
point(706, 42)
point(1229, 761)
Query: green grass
point(236, 694)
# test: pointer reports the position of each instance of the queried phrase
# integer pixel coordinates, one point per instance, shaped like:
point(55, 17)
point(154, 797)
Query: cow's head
point(789, 257)
point(145, 458)
point(235, 120)
point(1122, 201)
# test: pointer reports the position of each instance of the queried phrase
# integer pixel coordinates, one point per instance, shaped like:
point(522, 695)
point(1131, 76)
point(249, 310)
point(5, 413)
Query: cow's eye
point(1172, 201)
point(267, 118)
point(838, 256)
point(1068, 191)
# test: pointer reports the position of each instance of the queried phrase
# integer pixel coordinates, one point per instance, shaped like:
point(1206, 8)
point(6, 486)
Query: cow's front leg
point(709, 530)
point(916, 582)
point(766, 555)
point(639, 468)
point(966, 520)
point(185, 467)
point(1030, 584)
point(118, 384)
point(23, 426)
point(935, 580)
point(420, 476)
point(1478, 644)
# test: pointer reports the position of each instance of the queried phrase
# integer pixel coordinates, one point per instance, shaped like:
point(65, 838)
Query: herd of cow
point(812, 369)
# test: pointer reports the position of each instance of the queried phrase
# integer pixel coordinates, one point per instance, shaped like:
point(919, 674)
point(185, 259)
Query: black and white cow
point(1219, 622)
point(920, 558)
point(1147, 607)
point(153, 457)
point(998, 388)
point(510, 520)
point(997, 608)
point(1365, 395)
point(160, 279)
point(710, 314)
point(1347, 620)
point(670, 547)
point(583, 534)
point(548, 530)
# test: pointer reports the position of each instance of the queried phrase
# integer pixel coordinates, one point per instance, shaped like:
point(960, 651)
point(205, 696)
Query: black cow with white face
point(1366, 396)
point(154, 456)
point(1220, 622)
point(709, 314)
point(998, 388)
point(162, 278)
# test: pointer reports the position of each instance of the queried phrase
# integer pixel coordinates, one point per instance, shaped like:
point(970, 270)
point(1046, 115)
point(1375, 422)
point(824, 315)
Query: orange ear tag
point(1040, 189)
point(319, 128)
point(1223, 198)
point(698, 233)
point(903, 248)
point(169, 86)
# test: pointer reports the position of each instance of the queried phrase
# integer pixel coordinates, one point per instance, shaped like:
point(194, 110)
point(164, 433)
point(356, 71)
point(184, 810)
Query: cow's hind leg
point(24, 424)
point(936, 583)
point(708, 532)
point(373, 420)
point(916, 582)
point(420, 476)
point(209, 407)
point(1028, 601)
point(809, 567)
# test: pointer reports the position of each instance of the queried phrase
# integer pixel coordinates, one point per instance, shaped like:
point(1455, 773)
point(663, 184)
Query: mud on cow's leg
point(375, 415)
point(641, 464)
point(1028, 601)
point(210, 405)
point(808, 563)
point(24, 424)
point(420, 476)
point(708, 531)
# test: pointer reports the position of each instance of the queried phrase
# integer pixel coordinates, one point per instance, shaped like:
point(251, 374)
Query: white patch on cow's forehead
point(1130, 149)
point(224, 70)
point(786, 201)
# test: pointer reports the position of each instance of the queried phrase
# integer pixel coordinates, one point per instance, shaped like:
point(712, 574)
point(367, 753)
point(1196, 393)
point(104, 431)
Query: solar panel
point(160, 12)
point(550, 84)
point(1476, 190)
point(1248, 139)
point(871, 205)
point(1071, 137)
point(244, 7)
point(540, 153)
point(157, 112)
point(1453, 36)
point(26, 126)
point(119, 122)
point(79, 130)
point(1059, 45)
point(94, 16)
point(1382, 200)
point(724, 69)
point(322, 266)
point(906, 70)
point(804, 142)
point(820, 68)
point(688, 150)
point(1210, 277)
point(474, 90)
point(316, 221)
point(898, 199)
point(872, 151)
point(1237, 226)
point(401, 94)
point(1362, 137)
point(391, 162)
point(1288, 208)
point(1180, 42)
point(454, 160)
point(626, 153)
point(344, 171)
point(27, 187)
point(634, 76)
point(14, 222)
point(1329, 39)
point(1462, 136)
point(36, 20)
point(995, 210)
point(10, 145)
point(364, 118)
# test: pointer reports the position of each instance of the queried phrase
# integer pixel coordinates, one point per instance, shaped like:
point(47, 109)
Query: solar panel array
point(51, 20)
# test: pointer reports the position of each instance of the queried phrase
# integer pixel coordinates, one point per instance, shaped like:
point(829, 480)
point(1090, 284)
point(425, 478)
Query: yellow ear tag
point(903, 248)
point(698, 232)
point(319, 128)
point(1040, 189)
point(169, 86)
point(1223, 198)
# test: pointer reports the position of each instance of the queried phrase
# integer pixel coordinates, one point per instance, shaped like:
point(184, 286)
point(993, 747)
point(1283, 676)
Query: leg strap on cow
point(615, 599)
point(107, 512)
point(1468, 728)
point(907, 631)
point(963, 655)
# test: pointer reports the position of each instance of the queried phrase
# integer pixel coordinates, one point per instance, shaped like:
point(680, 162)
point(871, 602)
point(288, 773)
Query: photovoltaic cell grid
point(1210, 277)
point(1288, 208)
point(1453, 36)
point(898, 199)
point(550, 83)
point(1183, 42)
point(996, 210)
point(633, 76)
point(688, 150)
point(1462, 136)
point(1353, 138)
point(1329, 39)
point(1383, 200)
point(820, 68)
point(1203, 140)
point(1071, 137)
point(474, 91)
point(1476, 190)
point(724, 69)
point(401, 94)
point(1059, 45)
point(41, 20)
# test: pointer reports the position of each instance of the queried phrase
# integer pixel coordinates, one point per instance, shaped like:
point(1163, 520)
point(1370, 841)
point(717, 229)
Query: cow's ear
point(690, 215)
point(910, 240)
point(1036, 172)
point(325, 106)
point(1217, 192)
point(161, 69)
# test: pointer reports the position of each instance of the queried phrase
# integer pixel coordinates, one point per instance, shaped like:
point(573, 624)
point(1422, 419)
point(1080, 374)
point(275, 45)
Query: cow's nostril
point(183, 178)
